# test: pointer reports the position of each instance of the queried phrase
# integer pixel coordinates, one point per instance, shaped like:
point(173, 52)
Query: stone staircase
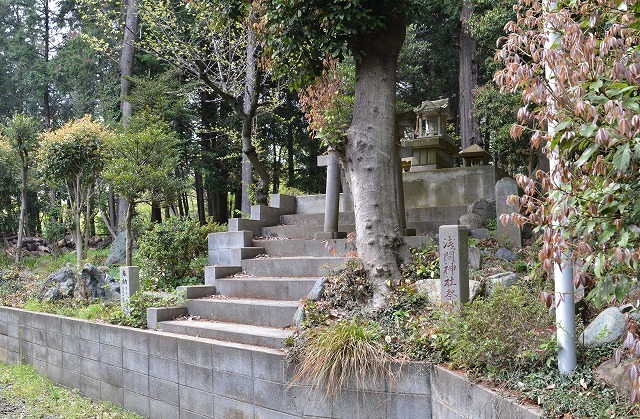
point(260, 270)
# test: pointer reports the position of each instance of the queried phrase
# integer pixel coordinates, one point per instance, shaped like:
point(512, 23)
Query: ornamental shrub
point(166, 253)
point(509, 330)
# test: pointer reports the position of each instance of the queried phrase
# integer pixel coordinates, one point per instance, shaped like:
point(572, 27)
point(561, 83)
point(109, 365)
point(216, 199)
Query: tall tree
point(22, 133)
point(142, 165)
point(374, 32)
point(216, 44)
point(468, 79)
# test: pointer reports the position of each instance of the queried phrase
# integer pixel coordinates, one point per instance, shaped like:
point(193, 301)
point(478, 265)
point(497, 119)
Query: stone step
point(301, 231)
point(305, 247)
point(268, 313)
point(296, 266)
point(315, 219)
point(268, 337)
point(314, 204)
point(287, 289)
point(233, 256)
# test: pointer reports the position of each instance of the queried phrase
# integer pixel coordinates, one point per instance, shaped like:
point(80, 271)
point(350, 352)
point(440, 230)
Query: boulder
point(485, 208)
point(505, 279)
point(431, 287)
point(95, 283)
point(471, 221)
point(607, 327)
point(117, 252)
point(480, 233)
point(475, 257)
point(617, 378)
point(318, 287)
point(506, 254)
point(58, 285)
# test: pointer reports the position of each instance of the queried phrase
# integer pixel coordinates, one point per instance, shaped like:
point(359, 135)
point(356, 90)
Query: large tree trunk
point(468, 80)
point(368, 159)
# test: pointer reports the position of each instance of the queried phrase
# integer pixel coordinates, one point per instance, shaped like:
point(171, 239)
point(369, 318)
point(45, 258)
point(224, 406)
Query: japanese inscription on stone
point(454, 266)
point(129, 285)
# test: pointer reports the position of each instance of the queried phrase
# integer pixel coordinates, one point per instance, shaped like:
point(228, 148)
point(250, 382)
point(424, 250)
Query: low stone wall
point(161, 375)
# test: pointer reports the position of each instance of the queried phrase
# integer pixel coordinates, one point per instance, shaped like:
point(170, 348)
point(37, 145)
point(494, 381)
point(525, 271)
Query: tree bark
point(468, 80)
point(129, 234)
point(23, 202)
point(126, 71)
point(368, 158)
point(46, 98)
point(126, 58)
point(249, 108)
point(202, 216)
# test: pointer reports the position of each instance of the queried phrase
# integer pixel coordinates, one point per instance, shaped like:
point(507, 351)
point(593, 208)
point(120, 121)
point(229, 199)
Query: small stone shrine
point(432, 147)
point(474, 155)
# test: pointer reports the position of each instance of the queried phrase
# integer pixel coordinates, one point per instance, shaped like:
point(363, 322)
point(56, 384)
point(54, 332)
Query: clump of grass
point(344, 352)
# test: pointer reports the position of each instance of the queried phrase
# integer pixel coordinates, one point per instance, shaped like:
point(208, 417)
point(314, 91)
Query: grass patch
point(347, 351)
point(24, 393)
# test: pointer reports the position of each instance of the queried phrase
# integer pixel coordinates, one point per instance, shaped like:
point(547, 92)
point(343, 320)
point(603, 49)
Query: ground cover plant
point(505, 339)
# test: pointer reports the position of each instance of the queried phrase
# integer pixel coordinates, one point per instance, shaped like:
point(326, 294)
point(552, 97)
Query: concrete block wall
point(161, 375)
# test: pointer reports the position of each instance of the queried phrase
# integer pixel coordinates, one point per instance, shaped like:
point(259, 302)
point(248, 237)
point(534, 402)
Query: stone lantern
point(432, 147)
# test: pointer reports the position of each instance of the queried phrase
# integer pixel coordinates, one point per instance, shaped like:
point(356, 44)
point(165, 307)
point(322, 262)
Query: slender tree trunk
point(46, 98)
point(185, 205)
point(77, 213)
point(126, 58)
point(87, 227)
point(156, 213)
point(23, 204)
point(249, 107)
point(113, 215)
point(468, 80)
point(202, 216)
point(290, 151)
point(131, 205)
point(126, 71)
point(368, 159)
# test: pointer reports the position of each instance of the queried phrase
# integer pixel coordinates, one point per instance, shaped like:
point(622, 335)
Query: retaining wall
point(160, 375)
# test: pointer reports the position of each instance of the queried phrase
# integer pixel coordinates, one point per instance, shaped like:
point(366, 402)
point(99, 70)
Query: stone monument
point(454, 266)
point(509, 234)
point(129, 285)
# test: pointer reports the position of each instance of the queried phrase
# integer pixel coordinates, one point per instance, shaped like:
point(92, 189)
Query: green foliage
point(497, 112)
point(407, 323)
point(509, 330)
point(25, 393)
point(346, 351)
point(72, 156)
point(581, 395)
point(138, 305)
point(143, 160)
point(425, 262)
point(592, 105)
point(54, 230)
point(167, 253)
point(297, 33)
